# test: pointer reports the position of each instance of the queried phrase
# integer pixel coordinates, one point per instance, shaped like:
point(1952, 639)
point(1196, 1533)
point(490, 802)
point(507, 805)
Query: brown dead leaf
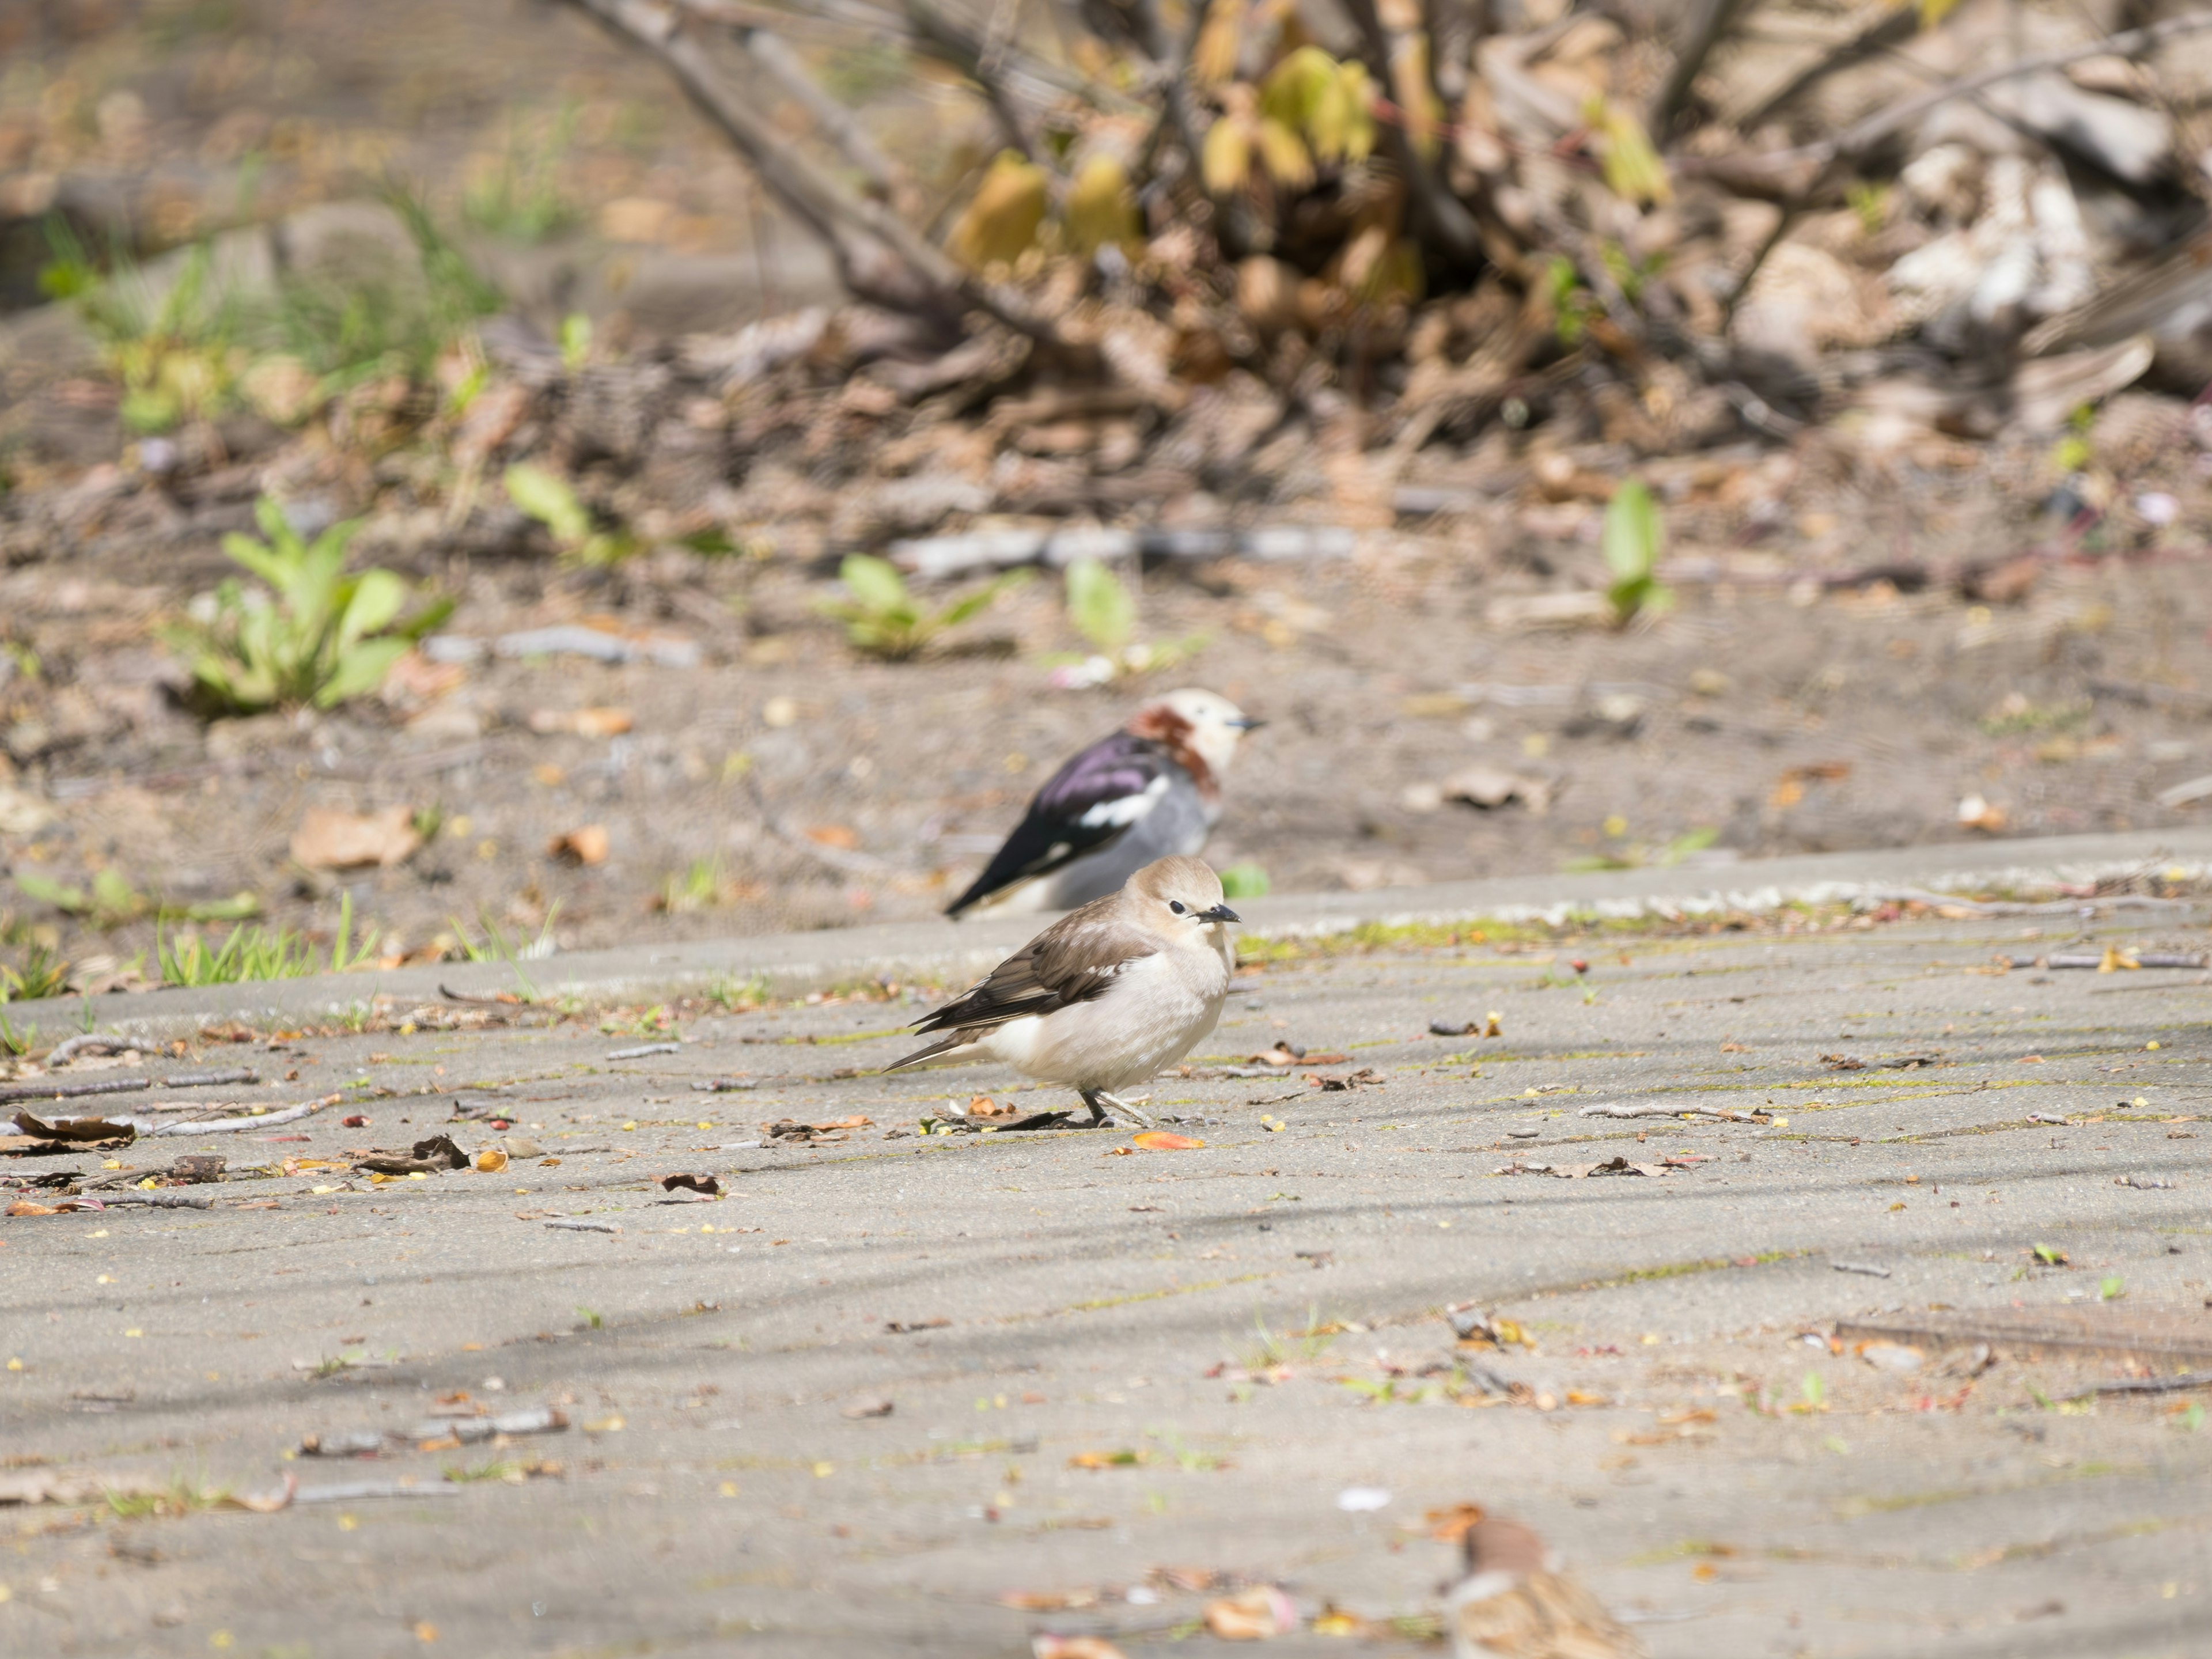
point(584, 722)
point(330, 838)
point(1257, 1614)
point(839, 835)
point(1488, 789)
point(984, 1106)
point(586, 845)
point(490, 1161)
point(1044, 1646)
point(1449, 1525)
point(88, 1130)
point(1976, 813)
point(697, 1183)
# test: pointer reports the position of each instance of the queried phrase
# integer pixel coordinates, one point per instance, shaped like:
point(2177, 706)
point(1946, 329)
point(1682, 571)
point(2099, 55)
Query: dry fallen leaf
point(1976, 813)
point(1072, 1647)
point(584, 722)
point(1253, 1615)
point(1159, 1140)
point(1448, 1526)
point(696, 1183)
point(1489, 788)
point(587, 845)
point(329, 838)
point(839, 835)
point(490, 1161)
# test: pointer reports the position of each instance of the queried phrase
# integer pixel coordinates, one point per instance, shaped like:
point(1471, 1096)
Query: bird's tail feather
point(942, 1045)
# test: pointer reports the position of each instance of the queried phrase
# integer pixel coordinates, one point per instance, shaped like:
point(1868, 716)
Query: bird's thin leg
point(1090, 1098)
point(1136, 1114)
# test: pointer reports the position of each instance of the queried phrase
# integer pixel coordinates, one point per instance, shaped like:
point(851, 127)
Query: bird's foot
point(1129, 1110)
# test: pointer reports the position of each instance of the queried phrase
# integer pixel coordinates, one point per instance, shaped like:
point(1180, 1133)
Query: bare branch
point(950, 40)
point(782, 65)
point(1435, 208)
point(880, 257)
point(1893, 28)
point(1708, 22)
point(1821, 159)
point(1232, 215)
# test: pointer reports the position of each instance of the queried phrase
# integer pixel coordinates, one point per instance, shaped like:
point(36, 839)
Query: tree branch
point(781, 64)
point(1857, 140)
point(1709, 21)
point(950, 40)
point(881, 258)
point(1442, 214)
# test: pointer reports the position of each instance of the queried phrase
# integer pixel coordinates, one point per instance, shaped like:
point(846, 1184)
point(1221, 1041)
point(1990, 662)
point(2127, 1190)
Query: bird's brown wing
point(1072, 961)
point(1544, 1616)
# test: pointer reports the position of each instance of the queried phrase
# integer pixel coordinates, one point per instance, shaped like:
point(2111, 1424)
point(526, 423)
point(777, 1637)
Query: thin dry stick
point(1673, 1111)
point(1709, 21)
point(881, 257)
point(1822, 158)
point(1433, 202)
point(782, 65)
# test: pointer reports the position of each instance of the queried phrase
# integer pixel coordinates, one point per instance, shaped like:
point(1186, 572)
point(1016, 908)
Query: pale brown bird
point(1516, 1603)
point(1108, 995)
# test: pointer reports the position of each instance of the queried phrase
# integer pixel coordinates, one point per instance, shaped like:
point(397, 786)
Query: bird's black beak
point(1248, 723)
point(1219, 912)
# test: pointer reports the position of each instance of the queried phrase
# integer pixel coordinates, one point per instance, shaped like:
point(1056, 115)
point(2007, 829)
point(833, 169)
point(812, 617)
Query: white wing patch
point(1125, 809)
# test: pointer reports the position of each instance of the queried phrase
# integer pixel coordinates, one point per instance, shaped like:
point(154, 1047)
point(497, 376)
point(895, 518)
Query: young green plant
point(1634, 540)
point(553, 502)
point(882, 618)
point(317, 634)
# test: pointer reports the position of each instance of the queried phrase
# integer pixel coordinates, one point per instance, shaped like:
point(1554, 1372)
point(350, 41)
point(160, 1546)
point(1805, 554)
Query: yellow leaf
point(1354, 87)
point(1295, 85)
point(1101, 207)
point(1284, 154)
point(1933, 12)
point(1213, 60)
point(1633, 168)
point(1002, 219)
point(1227, 162)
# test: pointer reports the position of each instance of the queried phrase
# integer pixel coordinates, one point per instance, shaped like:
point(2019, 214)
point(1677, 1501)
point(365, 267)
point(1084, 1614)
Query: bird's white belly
point(1152, 1018)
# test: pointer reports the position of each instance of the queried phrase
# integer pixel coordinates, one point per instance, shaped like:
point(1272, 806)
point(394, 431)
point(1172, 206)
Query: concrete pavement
point(1112, 1371)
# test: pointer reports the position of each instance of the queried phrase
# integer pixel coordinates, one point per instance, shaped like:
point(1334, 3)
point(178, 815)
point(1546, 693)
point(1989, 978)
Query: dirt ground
point(812, 788)
point(1870, 645)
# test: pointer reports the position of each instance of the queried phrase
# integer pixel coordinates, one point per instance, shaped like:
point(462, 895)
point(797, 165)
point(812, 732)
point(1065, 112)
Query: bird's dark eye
point(1176, 905)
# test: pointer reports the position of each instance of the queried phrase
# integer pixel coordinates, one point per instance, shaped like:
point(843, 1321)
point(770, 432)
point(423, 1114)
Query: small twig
point(950, 41)
point(91, 1043)
point(645, 1049)
point(211, 1079)
point(781, 64)
point(456, 996)
point(2149, 959)
point(1867, 1269)
point(229, 1125)
point(1434, 205)
point(116, 1085)
point(2177, 1383)
point(1709, 21)
point(1855, 141)
point(2007, 908)
point(881, 258)
point(161, 1200)
point(1731, 1116)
